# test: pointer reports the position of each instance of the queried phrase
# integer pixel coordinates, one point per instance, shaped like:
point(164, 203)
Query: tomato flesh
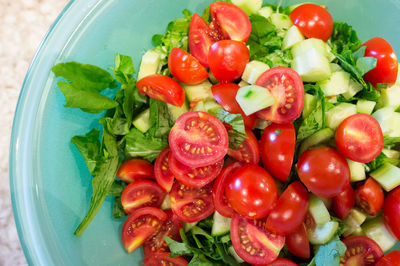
point(343, 202)
point(163, 258)
point(135, 169)
point(297, 242)
point(282, 262)
point(390, 259)
point(162, 173)
point(391, 212)
point(225, 95)
point(361, 250)
point(248, 151)
point(370, 197)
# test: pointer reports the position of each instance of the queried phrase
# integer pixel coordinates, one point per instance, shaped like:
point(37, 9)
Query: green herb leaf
point(390, 141)
point(116, 188)
point(160, 120)
point(379, 161)
point(330, 253)
point(143, 145)
point(365, 64)
point(344, 38)
point(178, 248)
point(89, 148)
point(118, 210)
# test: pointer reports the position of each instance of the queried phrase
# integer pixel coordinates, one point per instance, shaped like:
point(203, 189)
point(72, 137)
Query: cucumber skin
point(377, 231)
point(320, 235)
point(388, 176)
point(318, 210)
point(221, 224)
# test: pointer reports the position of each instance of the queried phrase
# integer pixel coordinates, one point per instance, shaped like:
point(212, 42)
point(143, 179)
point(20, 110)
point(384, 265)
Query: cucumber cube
point(221, 225)
point(243, 83)
point(150, 64)
point(353, 221)
point(365, 106)
point(254, 98)
point(357, 171)
point(177, 111)
point(166, 204)
point(142, 121)
point(266, 11)
point(310, 102)
point(335, 67)
point(292, 37)
point(388, 176)
point(390, 97)
point(248, 6)
point(337, 114)
point(389, 121)
point(336, 84)
point(198, 92)
point(353, 89)
point(318, 210)
point(312, 66)
point(281, 21)
point(391, 153)
point(377, 231)
point(322, 234)
point(322, 136)
point(313, 43)
point(253, 70)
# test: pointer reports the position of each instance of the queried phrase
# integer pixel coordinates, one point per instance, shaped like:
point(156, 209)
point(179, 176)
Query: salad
point(251, 135)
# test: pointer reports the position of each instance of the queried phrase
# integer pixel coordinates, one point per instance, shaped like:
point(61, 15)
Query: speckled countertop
point(23, 25)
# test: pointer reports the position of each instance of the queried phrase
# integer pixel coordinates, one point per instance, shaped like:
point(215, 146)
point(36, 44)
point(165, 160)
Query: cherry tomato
point(361, 250)
point(135, 169)
point(324, 171)
point(227, 59)
point(313, 21)
point(194, 177)
point(141, 226)
point(191, 204)
point(252, 242)
point(359, 138)
point(390, 259)
point(287, 88)
point(198, 139)
point(141, 193)
point(369, 197)
point(163, 174)
point(220, 201)
point(249, 121)
point(225, 95)
point(391, 212)
point(386, 66)
point(343, 202)
point(248, 151)
point(162, 88)
point(277, 147)
point(297, 242)
point(186, 68)
point(290, 210)
point(251, 191)
point(162, 258)
point(282, 262)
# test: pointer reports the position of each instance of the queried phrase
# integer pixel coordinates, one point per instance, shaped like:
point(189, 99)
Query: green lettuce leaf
point(143, 145)
point(344, 37)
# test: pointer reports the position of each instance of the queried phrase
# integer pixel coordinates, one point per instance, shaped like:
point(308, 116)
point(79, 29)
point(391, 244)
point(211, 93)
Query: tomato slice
point(225, 95)
point(297, 242)
point(391, 212)
point(249, 121)
point(191, 204)
point(361, 250)
point(277, 147)
point(252, 242)
point(163, 174)
point(198, 139)
point(186, 68)
point(369, 197)
point(287, 88)
point(162, 88)
point(390, 259)
point(248, 151)
point(344, 202)
point(162, 259)
point(282, 262)
point(135, 169)
point(194, 177)
point(220, 201)
point(141, 193)
point(359, 138)
point(141, 226)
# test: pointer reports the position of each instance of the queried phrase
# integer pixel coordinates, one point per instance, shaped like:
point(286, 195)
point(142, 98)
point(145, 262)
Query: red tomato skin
point(323, 171)
point(248, 151)
point(161, 258)
point(225, 94)
point(249, 121)
point(369, 197)
point(297, 242)
point(391, 212)
point(282, 262)
point(313, 21)
point(343, 203)
point(200, 39)
point(251, 191)
point(135, 169)
point(390, 259)
point(359, 138)
point(162, 173)
point(227, 59)
point(162, 88)
point(386, 67)
point(186, 68)
point(277, 147)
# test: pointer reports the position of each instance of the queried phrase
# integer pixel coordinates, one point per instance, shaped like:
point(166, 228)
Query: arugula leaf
point(379, 161)
point(116, 188)
point(89, 148)
point(329, 254)
point(118, 209)
point(160, 121)
point(143, 145)
point(178, 248)
point(344, 37)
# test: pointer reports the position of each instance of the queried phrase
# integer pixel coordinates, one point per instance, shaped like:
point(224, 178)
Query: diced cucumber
point(365, 106)
point(338, 113)
point(322, 234)
point(281, 21)
point(177, 111)
point(211, 104)
point(262, 124)
point(389, 121)
point(354, 220)
point(358, 232)
point(318, 210)
point(235, 255)
point(150, 64)
point(198, 92)
point(391, 153)
point(254, 98)
point(332, 99)
point(266, 11)
point(142, 121)
point(390, 97)
point(248, 6)
point(312, 65)
point(166, 204)
point(388, 176)
point(253, 70)
point(377, 231)
point(199, 106)
point(322, 136)
point(243, 83)
point(335, 67)
point(212, 79)
point(352, 89)
point(292, 37)
point(336, 84)
point(188, 226)
point(357, 171)
point(310, 102)
point(313, 43)
point(221, 225)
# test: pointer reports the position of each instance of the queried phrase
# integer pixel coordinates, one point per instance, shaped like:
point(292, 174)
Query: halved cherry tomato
point(359, 138)
point(249, 121)
point(225, 95)
point(390, 259)
point(162, 258)
point(386, 66)
point(162, 88)
point(369, 197)
point(251, 191)
point(163, 174)
point(324, 171)
point(344, 202)
point(277, 149)
point(297, 242)
point(186, 68)
point(252, 242)
point(289, 211)
point(194, 177)
point(135, 169)
point(141, 193)
point(282, 262)
point(313, 21)
point(141, 226)
point(198, 139)
point(248, 151)
point(287, 88)
point(220, 201)
point(391, 212)
point(191, 204)
point(361, 250)
point(227, 59)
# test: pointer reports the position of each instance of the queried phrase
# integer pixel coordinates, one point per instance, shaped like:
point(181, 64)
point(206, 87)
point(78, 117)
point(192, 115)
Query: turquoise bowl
point(50, 183)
